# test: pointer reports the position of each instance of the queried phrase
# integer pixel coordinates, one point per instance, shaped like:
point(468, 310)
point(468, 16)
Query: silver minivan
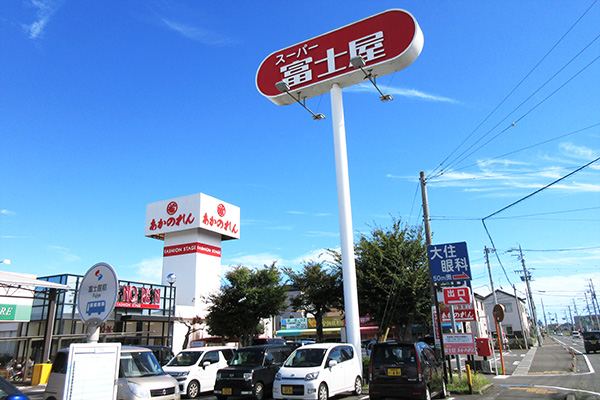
point(140, 377)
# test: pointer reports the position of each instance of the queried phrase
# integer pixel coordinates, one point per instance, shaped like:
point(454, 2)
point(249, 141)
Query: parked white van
point(140, 377)
point(196, 369)
point(319, 371)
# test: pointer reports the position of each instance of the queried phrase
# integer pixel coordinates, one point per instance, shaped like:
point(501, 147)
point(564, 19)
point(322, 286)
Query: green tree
point(393, 277)
point(320, 289)
point(246, 298)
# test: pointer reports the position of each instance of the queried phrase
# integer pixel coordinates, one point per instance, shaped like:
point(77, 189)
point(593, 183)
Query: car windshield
point(591, 335)
point(306, 358)
point(393, 354)
point(138, 364)
point(185, 359)
point(247, 357)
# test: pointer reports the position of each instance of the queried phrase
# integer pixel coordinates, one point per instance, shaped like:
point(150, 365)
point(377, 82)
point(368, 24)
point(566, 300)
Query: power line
point(541, 189)
point(521, 117)
point(434, 172)
point(524, 148)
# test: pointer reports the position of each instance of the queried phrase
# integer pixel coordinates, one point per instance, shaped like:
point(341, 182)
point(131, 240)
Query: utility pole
point(594, 302)
point(499, 332)
point(587, 303)
point(517, 303)
point(575, 309)
point(545, 320)
point(527, 277)
point(571, 319)
point(432, 287)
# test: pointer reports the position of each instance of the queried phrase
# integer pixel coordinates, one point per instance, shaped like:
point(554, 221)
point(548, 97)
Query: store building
point(141, 316)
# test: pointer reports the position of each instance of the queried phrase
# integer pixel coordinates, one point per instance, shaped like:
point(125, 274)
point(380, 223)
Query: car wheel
point(323, 392)
point(427, 395)
point(259, 391)
point(444, 392)
point(357, 386)
point(193, 389)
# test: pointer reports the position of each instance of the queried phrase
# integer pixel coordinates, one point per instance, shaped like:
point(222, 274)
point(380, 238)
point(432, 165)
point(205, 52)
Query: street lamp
point(171, 278)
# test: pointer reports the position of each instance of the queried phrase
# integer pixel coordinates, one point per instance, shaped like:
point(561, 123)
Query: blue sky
point(108, 106)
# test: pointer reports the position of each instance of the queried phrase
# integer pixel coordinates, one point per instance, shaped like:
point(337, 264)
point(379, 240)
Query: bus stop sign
point(97, 294)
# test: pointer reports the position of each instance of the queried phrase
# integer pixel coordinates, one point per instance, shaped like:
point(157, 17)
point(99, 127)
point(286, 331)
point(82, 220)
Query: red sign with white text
point(189, 248)
point(457, 295)
point(387, 42)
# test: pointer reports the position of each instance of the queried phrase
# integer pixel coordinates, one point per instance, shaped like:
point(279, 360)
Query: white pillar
point(345, 211)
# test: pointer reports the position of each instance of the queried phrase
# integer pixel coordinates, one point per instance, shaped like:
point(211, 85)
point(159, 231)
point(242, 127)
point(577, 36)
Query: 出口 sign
point(457, 295)
point(387, 42)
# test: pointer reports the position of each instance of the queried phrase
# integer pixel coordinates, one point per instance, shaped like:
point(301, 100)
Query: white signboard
point(197, 211)
point(294, 323)
point(98, 294)
point(92, 371)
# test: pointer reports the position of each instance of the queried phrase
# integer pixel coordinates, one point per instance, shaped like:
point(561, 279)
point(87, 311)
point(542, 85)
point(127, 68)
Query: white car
point(140, 377)
point(196, 369)
point(318, 371)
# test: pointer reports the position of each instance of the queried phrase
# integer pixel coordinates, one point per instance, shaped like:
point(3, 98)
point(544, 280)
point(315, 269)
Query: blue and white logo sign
point(98, 293)
point(449, 262)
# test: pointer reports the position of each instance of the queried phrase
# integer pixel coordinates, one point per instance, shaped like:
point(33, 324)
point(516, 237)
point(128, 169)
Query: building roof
point(504, 293)
point(16, 280)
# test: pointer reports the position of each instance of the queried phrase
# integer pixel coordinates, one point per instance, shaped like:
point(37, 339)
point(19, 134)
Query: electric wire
point(435, 172)
point(542, 188)
point(525, 148)
point(456, 161)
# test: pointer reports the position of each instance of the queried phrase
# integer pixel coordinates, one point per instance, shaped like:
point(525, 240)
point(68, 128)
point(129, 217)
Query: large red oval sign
point(387, 42)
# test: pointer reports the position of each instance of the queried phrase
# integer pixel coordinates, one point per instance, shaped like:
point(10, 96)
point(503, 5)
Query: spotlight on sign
point(358, 62)
point(283, 87)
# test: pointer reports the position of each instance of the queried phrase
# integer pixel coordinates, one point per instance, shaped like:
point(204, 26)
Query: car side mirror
point(269, 361)
point(332, 363)
point(205, 364)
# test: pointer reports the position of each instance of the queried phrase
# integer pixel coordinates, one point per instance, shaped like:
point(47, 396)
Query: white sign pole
point(345, 211)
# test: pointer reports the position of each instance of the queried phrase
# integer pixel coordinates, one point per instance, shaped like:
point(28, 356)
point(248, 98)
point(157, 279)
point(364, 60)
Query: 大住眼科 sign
point(449, 262)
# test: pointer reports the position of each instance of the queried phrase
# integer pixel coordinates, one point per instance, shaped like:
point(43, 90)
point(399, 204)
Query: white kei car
point(196, 368)
point(318, 371)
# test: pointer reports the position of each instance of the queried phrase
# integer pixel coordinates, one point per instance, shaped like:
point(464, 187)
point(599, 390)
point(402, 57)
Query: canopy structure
point(13, 280)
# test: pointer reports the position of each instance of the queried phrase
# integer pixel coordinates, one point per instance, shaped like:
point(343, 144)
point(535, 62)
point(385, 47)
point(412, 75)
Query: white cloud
point(147, 270)
point(45, 10)
point(412, 93)
point(7, 212)
point(198, 34)
point(579, 152)
point(64, 254)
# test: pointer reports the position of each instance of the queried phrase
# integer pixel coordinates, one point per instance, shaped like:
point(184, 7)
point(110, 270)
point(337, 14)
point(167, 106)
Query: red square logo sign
point(457, 295)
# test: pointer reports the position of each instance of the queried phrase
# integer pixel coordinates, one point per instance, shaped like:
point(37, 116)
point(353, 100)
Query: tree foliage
point(393, 277)
point(320, 289)
point(246, 298)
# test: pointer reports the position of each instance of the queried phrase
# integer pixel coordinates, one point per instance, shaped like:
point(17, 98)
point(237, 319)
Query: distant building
point(516, 320)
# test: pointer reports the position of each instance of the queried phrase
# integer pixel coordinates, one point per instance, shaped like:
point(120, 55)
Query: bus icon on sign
point(95, 307)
